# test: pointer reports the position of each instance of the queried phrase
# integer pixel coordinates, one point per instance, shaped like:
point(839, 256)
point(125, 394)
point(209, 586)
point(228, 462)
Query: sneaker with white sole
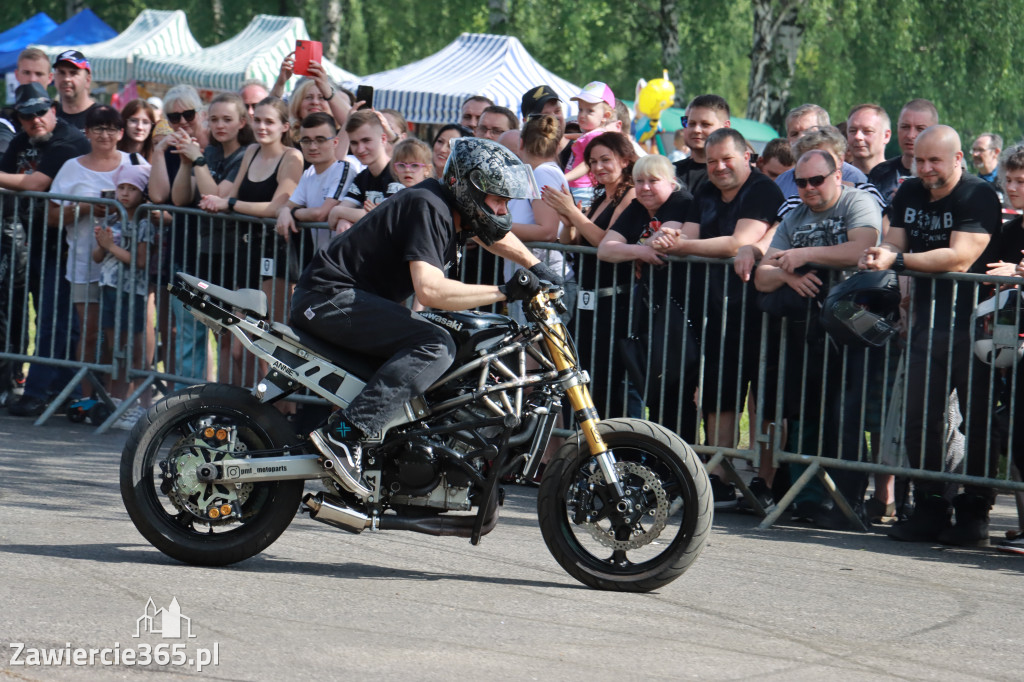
point(127, 421)
point(343, 460)
point(724, 493)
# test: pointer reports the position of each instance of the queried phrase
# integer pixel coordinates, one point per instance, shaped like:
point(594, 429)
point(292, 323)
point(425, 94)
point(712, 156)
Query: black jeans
point(418, 351)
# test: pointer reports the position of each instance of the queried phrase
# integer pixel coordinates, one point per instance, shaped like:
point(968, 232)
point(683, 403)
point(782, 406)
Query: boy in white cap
point(596, 115)
point(121, 251)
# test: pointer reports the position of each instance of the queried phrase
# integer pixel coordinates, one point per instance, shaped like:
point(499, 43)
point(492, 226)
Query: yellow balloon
point(655, 97)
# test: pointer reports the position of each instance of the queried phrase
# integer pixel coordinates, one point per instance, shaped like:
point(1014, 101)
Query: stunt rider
point(351, 294)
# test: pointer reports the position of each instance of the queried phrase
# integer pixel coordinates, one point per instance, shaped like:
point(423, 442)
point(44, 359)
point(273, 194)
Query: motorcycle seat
point(359, 364)
point(250, 300)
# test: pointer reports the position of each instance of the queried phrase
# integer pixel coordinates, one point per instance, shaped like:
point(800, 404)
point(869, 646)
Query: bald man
point(943, 220)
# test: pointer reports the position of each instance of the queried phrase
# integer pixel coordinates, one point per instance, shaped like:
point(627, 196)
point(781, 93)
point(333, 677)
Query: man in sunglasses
point(831, 227)
point(73, 78)
point(704, 115)
point(28, 247)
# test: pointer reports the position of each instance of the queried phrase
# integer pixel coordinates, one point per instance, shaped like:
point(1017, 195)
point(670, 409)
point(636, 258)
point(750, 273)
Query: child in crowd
point(412, 162)
point(596, 115)
point(121, 252)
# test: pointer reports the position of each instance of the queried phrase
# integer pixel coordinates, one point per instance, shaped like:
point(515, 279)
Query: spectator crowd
point(668, 314)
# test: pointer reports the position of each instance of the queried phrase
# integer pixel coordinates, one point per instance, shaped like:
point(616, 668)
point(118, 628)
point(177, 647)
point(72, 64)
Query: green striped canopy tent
point(256, 52)
point(154, 32)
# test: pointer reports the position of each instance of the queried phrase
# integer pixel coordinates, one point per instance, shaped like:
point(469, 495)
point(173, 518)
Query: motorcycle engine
point(418, 476)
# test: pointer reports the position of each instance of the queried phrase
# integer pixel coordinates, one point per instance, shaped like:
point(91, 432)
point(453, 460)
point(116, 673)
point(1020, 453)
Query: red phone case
point(306, 50)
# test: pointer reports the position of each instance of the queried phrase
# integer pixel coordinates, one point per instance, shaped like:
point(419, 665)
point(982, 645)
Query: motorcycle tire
point(651, 545)
point(267, 508)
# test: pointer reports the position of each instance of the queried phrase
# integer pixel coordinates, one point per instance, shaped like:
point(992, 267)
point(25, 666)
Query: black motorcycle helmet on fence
point(863, 309)
point(477, 167)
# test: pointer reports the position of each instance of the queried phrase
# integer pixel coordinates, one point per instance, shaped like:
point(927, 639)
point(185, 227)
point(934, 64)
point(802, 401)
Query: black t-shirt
point(636, 224)
point(1008, 244)
point(374, 254)
point(22, 156)
point(692, 174)
point(886, 177)
point(375, 188)
point(758, 199)
point(75, 120)
point(972, 206)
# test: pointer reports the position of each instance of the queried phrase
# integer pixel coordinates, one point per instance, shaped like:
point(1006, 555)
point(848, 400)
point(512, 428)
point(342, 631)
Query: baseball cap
point(73, 57)
point(596, 92)
point(534, 99)
point(136, 175)
point(31, 99)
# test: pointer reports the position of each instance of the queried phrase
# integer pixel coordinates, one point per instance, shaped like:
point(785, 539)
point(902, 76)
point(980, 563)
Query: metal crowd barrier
point(668, 344)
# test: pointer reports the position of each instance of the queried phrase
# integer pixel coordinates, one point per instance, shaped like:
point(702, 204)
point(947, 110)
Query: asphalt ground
point(790, 603)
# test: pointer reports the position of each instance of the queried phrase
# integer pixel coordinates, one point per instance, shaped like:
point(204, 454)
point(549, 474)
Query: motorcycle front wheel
point(642, 542)
point(167, 503)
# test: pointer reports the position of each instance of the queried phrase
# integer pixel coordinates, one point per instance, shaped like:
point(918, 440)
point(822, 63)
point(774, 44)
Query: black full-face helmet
point(863, 309)
point(478, 167)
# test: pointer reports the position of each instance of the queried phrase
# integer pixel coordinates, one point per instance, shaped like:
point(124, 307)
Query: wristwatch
point(199, 161)
point(231, 203)
point(898, 265)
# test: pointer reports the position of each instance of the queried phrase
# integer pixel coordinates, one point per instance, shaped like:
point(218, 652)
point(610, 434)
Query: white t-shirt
point(316, 188)
point(547, 175)
point(75, 179)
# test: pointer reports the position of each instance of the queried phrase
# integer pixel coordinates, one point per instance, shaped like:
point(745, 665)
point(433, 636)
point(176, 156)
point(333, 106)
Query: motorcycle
point(213, 474)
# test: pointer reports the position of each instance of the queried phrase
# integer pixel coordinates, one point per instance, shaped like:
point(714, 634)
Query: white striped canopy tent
point(256, 52)
point(433, 89)
point(154, 32)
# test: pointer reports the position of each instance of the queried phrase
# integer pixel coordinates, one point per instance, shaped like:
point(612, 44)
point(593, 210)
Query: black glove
point(522, 286)
point(546, 274)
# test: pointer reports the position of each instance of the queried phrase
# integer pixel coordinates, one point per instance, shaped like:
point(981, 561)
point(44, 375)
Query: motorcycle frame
point(558, 367)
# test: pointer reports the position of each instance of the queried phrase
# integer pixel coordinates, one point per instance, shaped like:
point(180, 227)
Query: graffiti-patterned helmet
point(478, 167)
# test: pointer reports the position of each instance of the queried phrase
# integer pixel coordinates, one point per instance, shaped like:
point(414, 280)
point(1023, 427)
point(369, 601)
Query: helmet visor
point(511, 182)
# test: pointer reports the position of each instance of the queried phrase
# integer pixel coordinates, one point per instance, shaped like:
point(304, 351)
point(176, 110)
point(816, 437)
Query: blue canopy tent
point(433, 89)
point(84, 28)
point(17, 38)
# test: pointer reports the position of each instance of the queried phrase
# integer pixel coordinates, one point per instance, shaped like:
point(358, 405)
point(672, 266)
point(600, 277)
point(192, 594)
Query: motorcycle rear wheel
point(266, 508)
point(636, 552)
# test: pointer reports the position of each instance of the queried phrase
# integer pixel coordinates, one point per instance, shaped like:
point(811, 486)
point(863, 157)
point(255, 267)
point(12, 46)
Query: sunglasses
point(813, 181)
point(189, 115)
point(32, 117)
point(409, 166)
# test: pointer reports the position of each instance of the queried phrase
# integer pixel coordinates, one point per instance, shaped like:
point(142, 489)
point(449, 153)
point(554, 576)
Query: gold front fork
point(564, 358)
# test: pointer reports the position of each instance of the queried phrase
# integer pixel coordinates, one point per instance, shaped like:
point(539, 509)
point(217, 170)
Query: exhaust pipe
point(457, 526)
point(332, 511)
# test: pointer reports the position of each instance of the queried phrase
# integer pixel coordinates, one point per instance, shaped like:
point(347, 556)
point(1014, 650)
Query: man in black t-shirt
point(733, 209)
point(374, 183)
point(352, 293)
point(31, 252)
point(915, 116)
point(73, 78)
point(704, 115)
point(942, 221)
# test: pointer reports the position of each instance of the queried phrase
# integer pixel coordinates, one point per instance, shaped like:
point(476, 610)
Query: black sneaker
point(343, 459)
point(876, 511)
point(971, 529)
point(27, 406)
point(761, 492)
point(1014, 545)
point(806, 511)
point(931, 516)
point(724, 493)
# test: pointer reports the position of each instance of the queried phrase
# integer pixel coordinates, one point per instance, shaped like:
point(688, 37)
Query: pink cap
point(596, 92)
point(129, 174)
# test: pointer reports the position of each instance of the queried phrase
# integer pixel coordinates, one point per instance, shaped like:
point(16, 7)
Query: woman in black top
point(669, 390)
point(603, 299)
